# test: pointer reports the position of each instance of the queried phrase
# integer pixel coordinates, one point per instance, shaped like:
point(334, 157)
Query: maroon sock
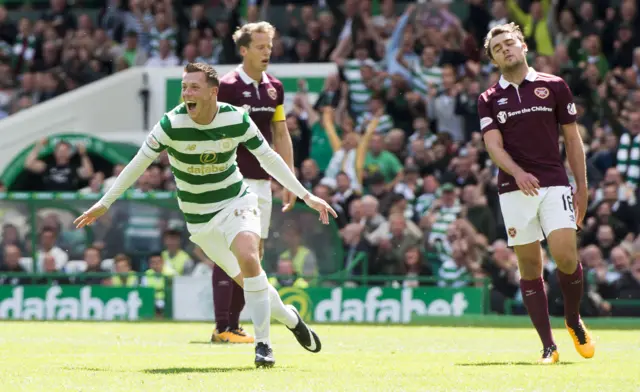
point(535, 300)
point(222, 292)
point(237, 304)
point(572, 289)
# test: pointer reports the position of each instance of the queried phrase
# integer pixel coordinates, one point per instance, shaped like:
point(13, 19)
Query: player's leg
point(524, 234)
point(262, 189)
point(558, 222)
point(244, 246)
point(222, 291)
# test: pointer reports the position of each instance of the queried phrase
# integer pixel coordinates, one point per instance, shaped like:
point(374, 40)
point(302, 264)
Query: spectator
point(156, 277)
point(93, 260)
point(61, 174)
point(124, 276)
point(302, 258)
point(48, 248)
point(175, 258)
point(11, 264)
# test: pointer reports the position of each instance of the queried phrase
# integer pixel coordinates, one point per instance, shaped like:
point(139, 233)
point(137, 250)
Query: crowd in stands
point(393, 141)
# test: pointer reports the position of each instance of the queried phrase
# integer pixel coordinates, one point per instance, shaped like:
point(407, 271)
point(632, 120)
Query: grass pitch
point(57, 356)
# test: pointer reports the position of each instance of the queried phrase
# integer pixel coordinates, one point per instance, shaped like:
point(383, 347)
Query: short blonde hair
point(242, 36)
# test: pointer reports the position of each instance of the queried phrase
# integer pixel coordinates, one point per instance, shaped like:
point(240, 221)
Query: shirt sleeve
point(488, 120)
point(565, 107)
point(270, 160)
point(225, 93)
point(157, 140)
point(279, 114)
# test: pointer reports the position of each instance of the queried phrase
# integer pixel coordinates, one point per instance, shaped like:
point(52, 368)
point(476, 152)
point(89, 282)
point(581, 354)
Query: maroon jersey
point(261, 101)
point(527, 116)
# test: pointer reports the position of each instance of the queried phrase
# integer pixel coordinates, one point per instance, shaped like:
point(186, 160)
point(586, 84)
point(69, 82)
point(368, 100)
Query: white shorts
point(530, 218)
point(262, 188)
point(216, 237)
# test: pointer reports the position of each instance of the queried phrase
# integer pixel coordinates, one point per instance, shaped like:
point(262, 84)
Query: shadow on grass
point(201, 342)
point(91, 369)
point(184, 370)
point(509, 363)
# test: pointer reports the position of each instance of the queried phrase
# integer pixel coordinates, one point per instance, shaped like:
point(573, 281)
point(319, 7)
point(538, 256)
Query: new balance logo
point(246, 94)
point(191, 147)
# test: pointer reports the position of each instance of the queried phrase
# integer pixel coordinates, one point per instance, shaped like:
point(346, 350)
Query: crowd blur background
point(416, 194)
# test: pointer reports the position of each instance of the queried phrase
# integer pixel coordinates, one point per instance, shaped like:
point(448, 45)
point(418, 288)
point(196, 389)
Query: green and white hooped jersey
point(203, 158)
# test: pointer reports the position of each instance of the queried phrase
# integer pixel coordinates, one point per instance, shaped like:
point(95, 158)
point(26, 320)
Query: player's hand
point(288, 200)
point(321, 206)
point(527, 183)
point(580, 204)
point(90, 216)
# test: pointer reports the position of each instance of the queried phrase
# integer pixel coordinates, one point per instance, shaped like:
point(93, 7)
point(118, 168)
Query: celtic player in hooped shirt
point(222, 214)
point(521, 118)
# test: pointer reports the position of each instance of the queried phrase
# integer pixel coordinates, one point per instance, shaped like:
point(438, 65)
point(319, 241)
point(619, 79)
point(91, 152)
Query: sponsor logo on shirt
point(207, 169)
point(503, 116)
point(503, 101)
point(208, 157)
point(250, 109)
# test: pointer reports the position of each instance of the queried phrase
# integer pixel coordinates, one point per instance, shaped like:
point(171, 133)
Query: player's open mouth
point(265, 61)
point(190, 105)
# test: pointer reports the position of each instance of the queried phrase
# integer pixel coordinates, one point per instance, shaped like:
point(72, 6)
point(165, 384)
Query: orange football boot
point(550, 356)
point(232, 336)
point(582, 340)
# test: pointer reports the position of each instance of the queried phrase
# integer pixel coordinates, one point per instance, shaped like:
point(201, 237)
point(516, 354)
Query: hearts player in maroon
point(262, 95)
point(522, 117)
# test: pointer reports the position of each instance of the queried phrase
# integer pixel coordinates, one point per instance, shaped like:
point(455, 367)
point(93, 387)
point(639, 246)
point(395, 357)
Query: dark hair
point(209, 71)
point(501, 29)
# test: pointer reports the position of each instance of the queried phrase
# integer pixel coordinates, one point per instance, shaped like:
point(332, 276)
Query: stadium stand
point(423, 201)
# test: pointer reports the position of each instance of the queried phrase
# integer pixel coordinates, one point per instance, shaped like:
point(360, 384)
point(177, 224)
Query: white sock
point(256, 295)
point(280, 312)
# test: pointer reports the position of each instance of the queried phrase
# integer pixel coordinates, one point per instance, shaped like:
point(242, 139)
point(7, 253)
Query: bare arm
point(495, 148)
point(32, 163)
point(363, 147)
point(282, 142)
point(575, 154)
point(86, 169)
point(339, 54)
point(330, 128)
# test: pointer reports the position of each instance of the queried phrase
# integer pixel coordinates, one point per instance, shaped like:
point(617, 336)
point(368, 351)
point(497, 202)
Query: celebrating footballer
point(222, 212)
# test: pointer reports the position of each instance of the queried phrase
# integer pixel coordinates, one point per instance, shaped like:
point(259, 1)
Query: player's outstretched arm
point(273, 164)
point(527, 183)
point(127, 177)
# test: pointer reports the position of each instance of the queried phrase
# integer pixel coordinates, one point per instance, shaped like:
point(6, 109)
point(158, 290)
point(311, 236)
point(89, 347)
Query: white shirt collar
point(248, 79)
point(531, 76)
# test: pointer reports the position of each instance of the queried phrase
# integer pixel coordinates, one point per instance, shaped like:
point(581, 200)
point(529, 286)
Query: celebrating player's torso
point(527, 116)
point(263, 101)
point(203, 159)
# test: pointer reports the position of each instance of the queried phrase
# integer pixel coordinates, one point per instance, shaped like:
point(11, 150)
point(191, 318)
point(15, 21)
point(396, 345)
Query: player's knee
point(566, 257)
point(245, 248)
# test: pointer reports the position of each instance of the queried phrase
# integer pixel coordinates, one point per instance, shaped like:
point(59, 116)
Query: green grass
point(57, 356)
